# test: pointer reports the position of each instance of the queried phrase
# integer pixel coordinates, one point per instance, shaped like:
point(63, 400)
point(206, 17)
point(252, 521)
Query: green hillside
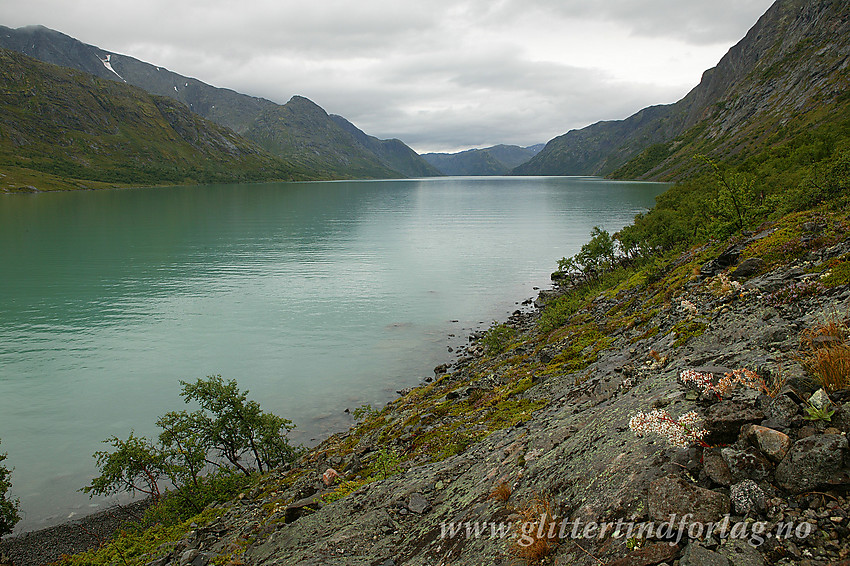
point(64, 129)
point(298, 131)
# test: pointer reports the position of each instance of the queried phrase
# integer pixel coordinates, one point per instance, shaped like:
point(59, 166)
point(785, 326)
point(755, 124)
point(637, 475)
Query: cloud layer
point(442, 75)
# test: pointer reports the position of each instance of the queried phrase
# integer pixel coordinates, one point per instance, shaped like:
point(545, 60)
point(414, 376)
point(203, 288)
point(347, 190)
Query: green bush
point(8, 507)
point(498, 337)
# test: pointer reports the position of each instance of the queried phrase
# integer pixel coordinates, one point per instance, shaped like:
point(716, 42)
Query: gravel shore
point(44, 546)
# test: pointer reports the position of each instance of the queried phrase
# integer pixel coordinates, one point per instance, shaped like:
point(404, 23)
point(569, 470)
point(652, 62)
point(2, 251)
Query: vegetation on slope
point(298, 131)
point(83, 132)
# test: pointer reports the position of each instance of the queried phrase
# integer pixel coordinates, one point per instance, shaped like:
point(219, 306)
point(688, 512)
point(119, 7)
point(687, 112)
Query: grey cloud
point(438, 75)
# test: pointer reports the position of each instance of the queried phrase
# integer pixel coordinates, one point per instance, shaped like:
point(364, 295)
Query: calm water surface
point(315, 296)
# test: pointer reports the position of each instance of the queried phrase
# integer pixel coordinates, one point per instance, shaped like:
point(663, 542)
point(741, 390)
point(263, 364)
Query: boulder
point(651, 554)
point(772, 443)
point(812, 461)
point(715, 467)
point(724, 420)
point(747, 496)
point(741, 553)
point(695, 555)
point(746, 464)
point(418, 504)
point(747, 268)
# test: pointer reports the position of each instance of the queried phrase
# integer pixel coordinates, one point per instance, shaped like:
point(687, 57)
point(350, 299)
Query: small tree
point(227, 423)
point(236, 427)
point(8, 507)
point(135, 465)
point(595, 258)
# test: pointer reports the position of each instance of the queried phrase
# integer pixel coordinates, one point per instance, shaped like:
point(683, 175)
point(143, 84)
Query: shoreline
point(44, 545)
point(47, 545)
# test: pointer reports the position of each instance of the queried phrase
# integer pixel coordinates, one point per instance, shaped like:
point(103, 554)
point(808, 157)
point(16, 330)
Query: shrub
point(502, 492)
point(498, 337)
point(8, 507)
point(227, 423)
point(236, 427)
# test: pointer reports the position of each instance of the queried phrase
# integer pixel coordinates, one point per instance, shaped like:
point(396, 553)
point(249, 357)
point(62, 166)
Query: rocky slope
point(541, 421)
point(294, 131)
point(791, 68)
point(549, 417)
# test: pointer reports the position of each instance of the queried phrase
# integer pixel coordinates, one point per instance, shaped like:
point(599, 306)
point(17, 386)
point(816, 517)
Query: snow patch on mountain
point(108, 64)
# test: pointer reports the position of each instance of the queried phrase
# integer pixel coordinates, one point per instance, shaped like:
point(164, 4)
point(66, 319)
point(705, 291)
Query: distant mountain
point(299, 131)
point(393, 153)
point(64, 129)
point(790, 69)
point(496, 160)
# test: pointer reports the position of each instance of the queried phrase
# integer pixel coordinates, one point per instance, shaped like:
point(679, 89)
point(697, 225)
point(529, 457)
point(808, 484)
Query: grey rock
point(820, 400)
point(780, 409)
point(189, 556)
point(695, 555)
point(747, 268)
point(715, 467)
point(747, 496)
point(741, 553)
point(673, 496)
point(812, 461)
point(724, 420)
point(418, 504)
point(746, 464)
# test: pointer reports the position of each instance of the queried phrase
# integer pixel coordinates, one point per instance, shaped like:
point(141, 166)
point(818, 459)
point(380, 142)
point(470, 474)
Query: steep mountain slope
point(68, 129)
point(281, 129)
point(393, 153)
point(793, 60)
point(496, 160)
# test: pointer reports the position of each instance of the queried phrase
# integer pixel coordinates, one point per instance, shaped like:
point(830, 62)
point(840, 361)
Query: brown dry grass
point(539, 530)
point(502, 492)
point(824, 352)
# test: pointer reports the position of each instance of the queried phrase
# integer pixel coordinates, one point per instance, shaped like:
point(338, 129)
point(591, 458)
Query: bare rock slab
point(674, 496)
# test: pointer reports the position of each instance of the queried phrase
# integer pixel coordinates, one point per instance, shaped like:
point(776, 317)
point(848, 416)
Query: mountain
point(63, 129)
point(393, 153)
point(790, 68)
point(299, 131)
point(496, 160)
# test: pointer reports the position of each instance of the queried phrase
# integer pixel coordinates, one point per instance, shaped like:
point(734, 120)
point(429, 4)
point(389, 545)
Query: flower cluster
point(794, 292)
point(682, 433)
point(689, 307)
point(703, 381)
point(742, 376)
point(746, 377)
point(727, 285)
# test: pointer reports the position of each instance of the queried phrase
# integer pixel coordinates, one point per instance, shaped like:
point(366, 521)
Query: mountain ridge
point(67, 129)
point(495, 160)
point(741, 80)
point(278, 128)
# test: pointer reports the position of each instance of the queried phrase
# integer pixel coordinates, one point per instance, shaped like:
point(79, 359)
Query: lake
point(316, 297)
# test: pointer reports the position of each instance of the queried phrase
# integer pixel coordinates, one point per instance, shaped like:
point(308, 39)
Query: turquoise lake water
point(316, 297)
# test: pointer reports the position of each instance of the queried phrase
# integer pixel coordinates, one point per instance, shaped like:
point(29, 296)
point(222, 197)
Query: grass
point(826, 354)
point(502, 492)
point(539, 534)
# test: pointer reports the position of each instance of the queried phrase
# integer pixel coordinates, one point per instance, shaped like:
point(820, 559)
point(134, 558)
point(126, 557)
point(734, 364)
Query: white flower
point(681, 433)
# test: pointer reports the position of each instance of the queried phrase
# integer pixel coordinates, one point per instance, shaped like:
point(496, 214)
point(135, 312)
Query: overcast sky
point(440, 75)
